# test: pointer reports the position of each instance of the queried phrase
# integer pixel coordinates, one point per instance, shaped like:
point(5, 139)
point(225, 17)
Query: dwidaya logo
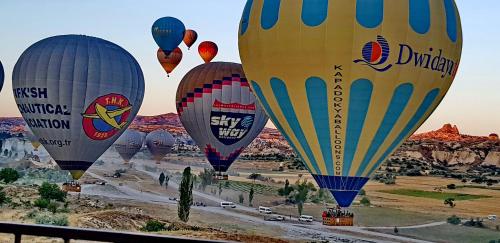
point(376, 54)
point(106, 116)
point(231, 122)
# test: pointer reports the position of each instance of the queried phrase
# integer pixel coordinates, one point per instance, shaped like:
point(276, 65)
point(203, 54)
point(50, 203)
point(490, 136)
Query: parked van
point(227, 205)
point(306, 218)
point(265, 210)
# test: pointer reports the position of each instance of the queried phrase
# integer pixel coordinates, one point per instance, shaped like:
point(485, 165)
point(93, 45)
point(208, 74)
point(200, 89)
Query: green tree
point(302, 189)
point(51, 192)
point(450, 202)
point(9, 175)
point(153, 226)
point(365, 201)
point(167, 179)
point(454, 220)
point(241, 198)
point(220, 188)
point(362, 192)
point(161, 179)
point(186, 195)
point(207, 178)
point(254, 176)
point(250, 196)
point(286, 190)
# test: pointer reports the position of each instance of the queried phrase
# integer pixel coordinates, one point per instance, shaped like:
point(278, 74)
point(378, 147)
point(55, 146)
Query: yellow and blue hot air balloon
point(347, 82)
point(1, 76)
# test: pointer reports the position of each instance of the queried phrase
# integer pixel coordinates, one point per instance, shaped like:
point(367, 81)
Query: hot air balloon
point(208, 50)
point(347, 82)
point(32, 138)
point(129, 144)
point(190, 38)
point(2, 76)
point(168, 33)
point(219, 111)
point(78, 94)
point(170, 62)
point(159, 143)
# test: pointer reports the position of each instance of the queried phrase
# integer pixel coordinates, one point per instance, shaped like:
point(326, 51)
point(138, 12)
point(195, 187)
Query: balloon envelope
point(347, 82)
point(170, 62)
point(190, 38)
point(208, 50)
point(168, 33)
point(129, 144)
point(2, 76)
point(219, 111)
point(159, 143)
point(77, 94)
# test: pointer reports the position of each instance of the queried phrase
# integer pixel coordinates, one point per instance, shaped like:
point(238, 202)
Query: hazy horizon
point(127, 23)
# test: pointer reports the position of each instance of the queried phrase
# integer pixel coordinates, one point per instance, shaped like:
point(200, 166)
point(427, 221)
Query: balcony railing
point(71, 233)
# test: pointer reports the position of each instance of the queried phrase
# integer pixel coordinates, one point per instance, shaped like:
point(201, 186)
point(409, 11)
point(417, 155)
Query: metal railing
point(71, 233)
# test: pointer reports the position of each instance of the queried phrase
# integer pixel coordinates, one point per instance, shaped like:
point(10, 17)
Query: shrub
point(153, 226)
point(365, 201)
point(3, 197)
point(241, 198)
point(52, 207)
point(41, 203)
point(453, 220)
point(362, 192)
point(51, 192)
point(451, 186)
point(52, 219)
point(9, 175)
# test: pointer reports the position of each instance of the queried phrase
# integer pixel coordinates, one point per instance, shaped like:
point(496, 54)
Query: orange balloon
point(170, 62)
point(208, 50)
point(190, 38)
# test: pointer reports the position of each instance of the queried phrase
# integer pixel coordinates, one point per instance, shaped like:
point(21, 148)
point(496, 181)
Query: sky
point(473, 102)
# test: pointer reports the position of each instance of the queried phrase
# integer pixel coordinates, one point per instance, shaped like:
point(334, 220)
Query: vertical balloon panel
point(77, 94)
point(348, 81)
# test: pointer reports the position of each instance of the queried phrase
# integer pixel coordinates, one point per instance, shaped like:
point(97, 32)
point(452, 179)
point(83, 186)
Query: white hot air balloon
point(159, 143)
point(78, 94)
point(129, 144)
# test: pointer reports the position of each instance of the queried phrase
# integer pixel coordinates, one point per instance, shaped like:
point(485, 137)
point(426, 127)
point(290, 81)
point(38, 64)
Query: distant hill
point(445, 146)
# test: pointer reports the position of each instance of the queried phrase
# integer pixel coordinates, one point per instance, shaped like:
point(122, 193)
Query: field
point(246, 186)
point(449, 233)
point(479, 207)
point(434, 195)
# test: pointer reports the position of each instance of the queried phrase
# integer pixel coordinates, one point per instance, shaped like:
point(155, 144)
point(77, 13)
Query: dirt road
point(293, 229)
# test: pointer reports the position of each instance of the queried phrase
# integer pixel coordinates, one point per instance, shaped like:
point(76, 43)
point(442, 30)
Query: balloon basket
point(72, 186)
point(221, 177)
point(338, 217)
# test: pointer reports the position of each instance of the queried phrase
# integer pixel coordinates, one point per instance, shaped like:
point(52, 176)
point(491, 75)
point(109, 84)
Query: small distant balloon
point(159, 143)
point(168, 32)
point(129, 144)
point(208, 50)
point(2, 75)
point(190, 38)
point(170, 62)
point(78, 94)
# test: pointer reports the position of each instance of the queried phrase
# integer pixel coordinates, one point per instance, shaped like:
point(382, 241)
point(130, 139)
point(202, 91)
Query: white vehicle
point(265, 210)
point(492, 217)
point(306, 218)
point(227, 205)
